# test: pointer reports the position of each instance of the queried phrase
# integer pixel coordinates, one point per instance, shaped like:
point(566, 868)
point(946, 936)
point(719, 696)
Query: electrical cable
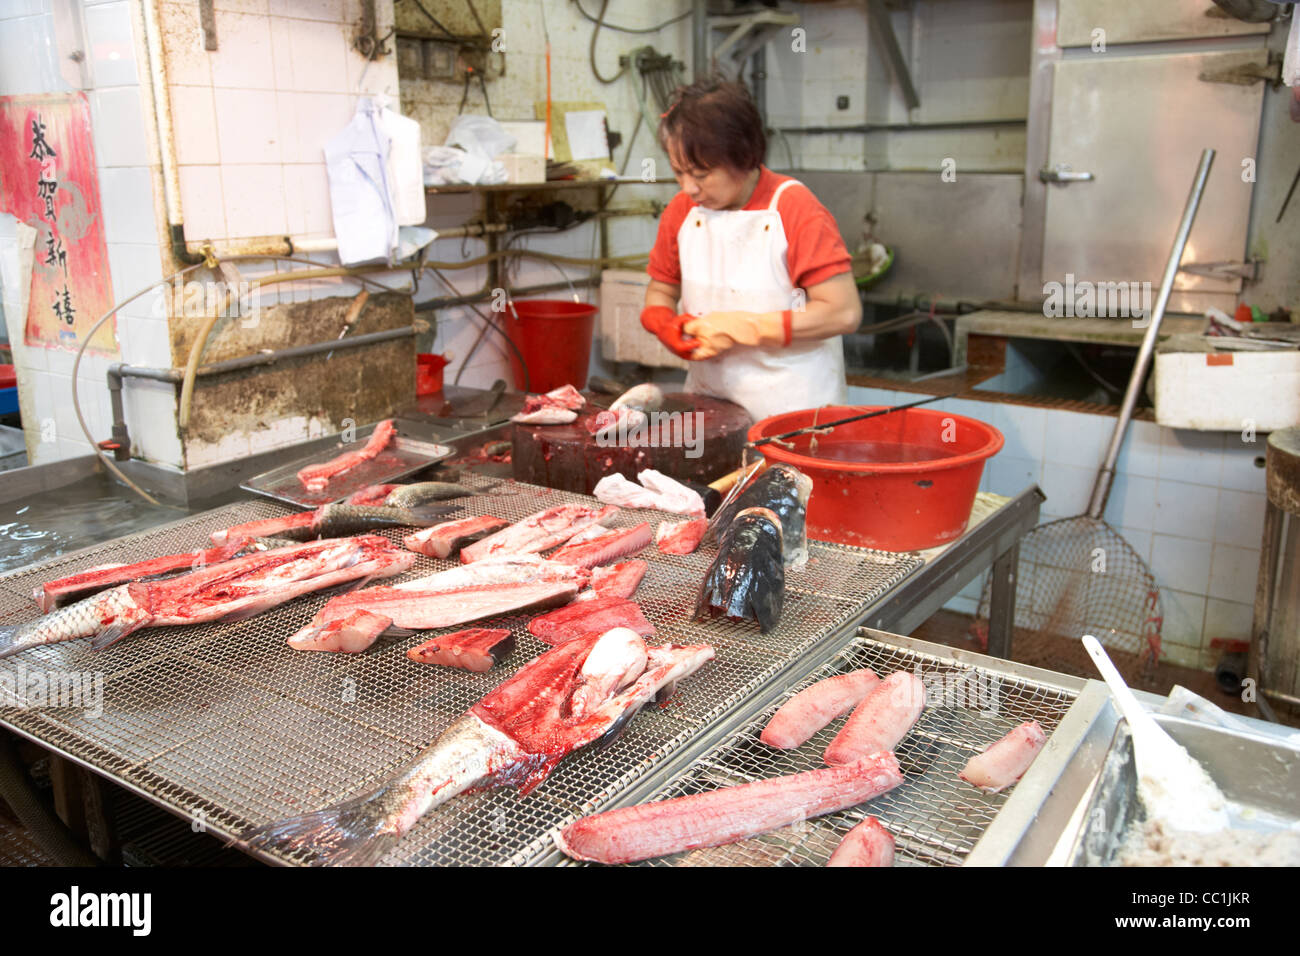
point(435, 20)
point(1074, 353)
point(654, 29)
point(591, 50)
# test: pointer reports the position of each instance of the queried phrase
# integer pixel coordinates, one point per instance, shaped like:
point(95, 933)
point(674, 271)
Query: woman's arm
point(832, 308)
point(661, 293)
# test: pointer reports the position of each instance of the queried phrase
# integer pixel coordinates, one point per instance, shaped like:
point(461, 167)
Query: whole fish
point(336, 520)
point(747, 578)
point(646, 397)
point(513, 736)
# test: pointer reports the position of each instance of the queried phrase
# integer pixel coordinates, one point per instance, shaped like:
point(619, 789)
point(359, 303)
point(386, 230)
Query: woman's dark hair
point(714, 122)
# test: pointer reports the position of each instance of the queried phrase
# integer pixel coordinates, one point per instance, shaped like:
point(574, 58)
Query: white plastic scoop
point(1172, 785)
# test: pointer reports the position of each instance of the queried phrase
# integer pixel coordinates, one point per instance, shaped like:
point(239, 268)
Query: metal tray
point(936, 818)
point(1259, 776)
point(403, 457)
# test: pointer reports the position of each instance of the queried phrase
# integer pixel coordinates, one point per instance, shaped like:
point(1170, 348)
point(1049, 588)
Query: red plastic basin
point(900, 482)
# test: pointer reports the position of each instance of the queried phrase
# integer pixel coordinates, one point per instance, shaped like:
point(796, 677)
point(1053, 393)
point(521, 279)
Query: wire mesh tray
point(935, 817)
point(225, 724)
point(403, 457)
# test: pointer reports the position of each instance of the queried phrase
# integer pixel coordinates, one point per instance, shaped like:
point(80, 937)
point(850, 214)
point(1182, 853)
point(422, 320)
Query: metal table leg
point(1002, 602)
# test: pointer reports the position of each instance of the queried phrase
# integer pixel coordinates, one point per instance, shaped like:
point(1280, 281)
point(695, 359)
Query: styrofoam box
point(1228, 391)
point(622, 339)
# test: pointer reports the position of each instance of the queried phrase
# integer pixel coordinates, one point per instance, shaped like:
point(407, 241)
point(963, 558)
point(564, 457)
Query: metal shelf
point(550, 184)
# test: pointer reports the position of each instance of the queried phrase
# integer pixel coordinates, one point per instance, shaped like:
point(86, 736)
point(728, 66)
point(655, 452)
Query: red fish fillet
point(475, 649)
point(443, 540)
point(1006, 761)
point(63, 591)
point(680, 537)
point(814, 707)
point(867, 844)
point(882, 719)
point(317, 477)
point(590, 617)
point(727, 814)
point(538, 532)
point(606, 548)
point(618, 580)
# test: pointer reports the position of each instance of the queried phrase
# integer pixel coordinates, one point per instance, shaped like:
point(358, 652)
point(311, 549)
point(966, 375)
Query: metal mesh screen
point(935, 817)
point(1079, 576)
point(225, 723)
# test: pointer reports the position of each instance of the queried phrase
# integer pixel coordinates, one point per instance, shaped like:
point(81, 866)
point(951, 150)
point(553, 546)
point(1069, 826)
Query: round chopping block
point(693, 438)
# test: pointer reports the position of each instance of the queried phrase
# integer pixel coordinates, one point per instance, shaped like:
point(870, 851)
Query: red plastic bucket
point(900, 482)
point(555, 339)
point(428, 373)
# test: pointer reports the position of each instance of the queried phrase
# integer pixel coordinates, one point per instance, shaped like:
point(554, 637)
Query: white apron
point(734, 260)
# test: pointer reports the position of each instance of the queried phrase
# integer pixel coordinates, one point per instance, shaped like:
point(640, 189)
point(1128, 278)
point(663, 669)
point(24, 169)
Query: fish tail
point(354, 833)
point(9, 640)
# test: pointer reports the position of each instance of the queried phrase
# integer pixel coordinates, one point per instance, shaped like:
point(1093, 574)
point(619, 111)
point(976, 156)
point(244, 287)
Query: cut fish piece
point(317, 477)
point(782, 489)
point(620, 543)
point(671, 494)
point(883, 718)
point(513, 736)
point(616, 660)
point(444, 540)
point(680, 537)
point(1006, 761)
point(504, 569)
point(417, 610)
point(557, 407)
point(867, 844)
point(616, 489)
point(747, 578)
point(282, 527)
point(538, 532)
point(371, 495)
point(618, 580)
point(727, 814)
point(589, 617)
point(75, 587)
point(474, 649)
point(816, 706)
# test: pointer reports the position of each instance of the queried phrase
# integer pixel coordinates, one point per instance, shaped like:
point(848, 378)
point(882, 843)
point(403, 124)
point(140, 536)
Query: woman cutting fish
point(758, 264)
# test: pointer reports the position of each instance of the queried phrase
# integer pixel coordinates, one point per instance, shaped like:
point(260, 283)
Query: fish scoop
point(1172, 785)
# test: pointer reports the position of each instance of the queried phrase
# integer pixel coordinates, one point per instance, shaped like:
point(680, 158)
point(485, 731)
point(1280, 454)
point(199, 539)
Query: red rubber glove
point(667, 326)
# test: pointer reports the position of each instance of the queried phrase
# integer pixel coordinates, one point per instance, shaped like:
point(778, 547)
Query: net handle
point(1106, 476)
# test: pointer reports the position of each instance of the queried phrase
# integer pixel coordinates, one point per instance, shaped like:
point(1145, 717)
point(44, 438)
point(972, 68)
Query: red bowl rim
point(806, 462)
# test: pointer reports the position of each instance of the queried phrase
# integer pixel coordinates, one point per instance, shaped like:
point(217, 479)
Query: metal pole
point(1105, 477)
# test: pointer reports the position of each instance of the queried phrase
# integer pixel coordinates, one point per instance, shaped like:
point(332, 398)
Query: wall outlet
point(841, 102)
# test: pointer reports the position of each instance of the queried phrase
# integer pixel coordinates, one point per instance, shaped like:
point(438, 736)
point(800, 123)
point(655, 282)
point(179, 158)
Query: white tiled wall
point(28, 64)
point(1191, 504)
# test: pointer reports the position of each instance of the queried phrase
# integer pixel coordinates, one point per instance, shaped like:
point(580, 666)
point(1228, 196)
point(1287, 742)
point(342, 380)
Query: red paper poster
point(48, 180)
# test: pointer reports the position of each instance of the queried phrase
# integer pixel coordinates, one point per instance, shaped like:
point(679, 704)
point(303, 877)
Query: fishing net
point(1079, 576)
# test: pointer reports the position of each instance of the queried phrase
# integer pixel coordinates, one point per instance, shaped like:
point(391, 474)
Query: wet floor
point(60, 520)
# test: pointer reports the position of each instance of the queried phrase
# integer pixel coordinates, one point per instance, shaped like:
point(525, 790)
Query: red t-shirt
point(816, 251)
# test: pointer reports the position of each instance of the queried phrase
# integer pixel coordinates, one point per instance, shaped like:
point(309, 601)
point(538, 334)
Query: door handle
point(1063, 174)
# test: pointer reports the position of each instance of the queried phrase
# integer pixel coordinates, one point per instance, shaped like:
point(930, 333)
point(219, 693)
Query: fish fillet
point(883, 718)
point(618, 580)
point(680, 537)
point(538, 532)
point(474, 649)
point(359, 620)
point(444, 540)
point(589, 617)
point(867, 844)
point(1006, 761)
point(317, 477)
point(57, 593)
point(727, 814)
point(814, 707)
point(621, 543)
